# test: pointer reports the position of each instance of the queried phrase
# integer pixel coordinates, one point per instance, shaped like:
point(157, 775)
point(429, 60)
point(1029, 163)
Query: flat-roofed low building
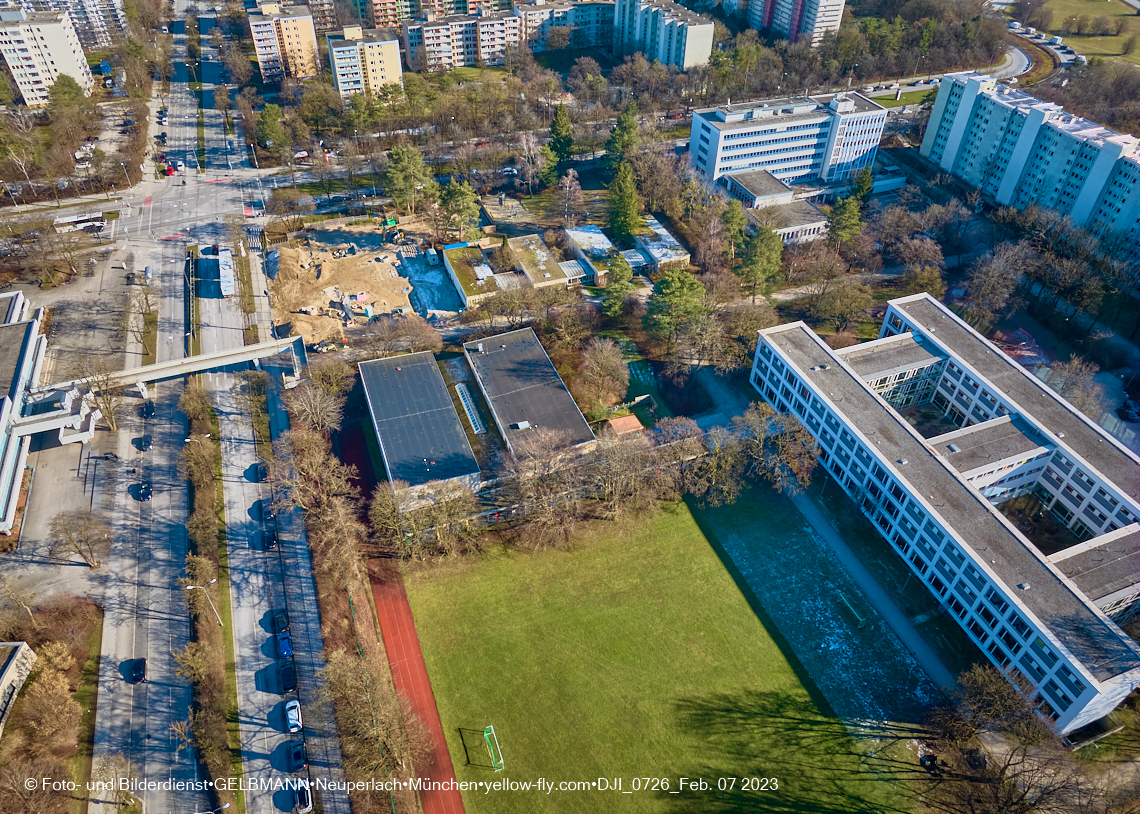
point(663, 250)
point(590, 245)
point(420, 435)
point(528, 398)
point(536, 261)
point(1047, 619)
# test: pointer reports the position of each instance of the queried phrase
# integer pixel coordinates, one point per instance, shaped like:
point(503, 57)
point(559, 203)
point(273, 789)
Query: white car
point(509, 171)
point(83, 165)
point(179, 165)
point(293, 715)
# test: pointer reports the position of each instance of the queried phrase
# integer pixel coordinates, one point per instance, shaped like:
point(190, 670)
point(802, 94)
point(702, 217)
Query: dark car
point(145, 492)
point(262, 472)
point(280, 623)
point(268, 513)
point(304, 799)
point(160, 157)
point(270, 540)
point(148, 409)
point(285, 645)
point(138, 671)
point(146, 444)
point(287, 675)
point(297, 759)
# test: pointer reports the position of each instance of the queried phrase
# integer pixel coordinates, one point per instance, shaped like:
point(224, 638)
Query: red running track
point(409, 673)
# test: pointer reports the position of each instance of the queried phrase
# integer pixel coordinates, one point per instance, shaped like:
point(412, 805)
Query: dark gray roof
point(521, 385)
point(1102, 569)
point(990, 442)
point(12, 341)
point(1002, 550)
point(1030, 395)
point(419, 431)
point(872, 360)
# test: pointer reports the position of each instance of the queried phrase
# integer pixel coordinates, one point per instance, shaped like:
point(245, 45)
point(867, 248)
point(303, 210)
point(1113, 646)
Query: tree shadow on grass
point(817, 760)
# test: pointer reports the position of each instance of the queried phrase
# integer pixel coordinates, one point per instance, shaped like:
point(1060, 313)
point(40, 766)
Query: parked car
point(146, 444)
point(287, 675)
point(270, 540)
point(268, 513)
point(510, 171)
point(160, 157)
point(303, 800)
point(285, 645)
point(138, 671)
point(148, 405)
point(297, 758)
point(262, 472)
point(145, 492)
point(179, 165)
point(280, 622)
point(83, 165)
point(293, 715)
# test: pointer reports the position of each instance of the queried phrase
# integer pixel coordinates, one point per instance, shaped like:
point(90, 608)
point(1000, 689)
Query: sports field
point(634, 655)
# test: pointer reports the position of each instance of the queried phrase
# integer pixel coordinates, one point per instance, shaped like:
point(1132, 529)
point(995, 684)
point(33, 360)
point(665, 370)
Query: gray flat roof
point(1009, 557)
point(521, 385)
point(12, 340)
point(819, 111)
point(419, 431)
point(1102, 570)
point(991, 441)
point(760, 183)
point(1031, 396)
point(872, 360)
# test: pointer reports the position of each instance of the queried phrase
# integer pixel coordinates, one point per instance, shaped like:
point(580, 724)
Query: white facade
point(285, 42)
point(1020, 150)
point(1045, 617)
point(98, 23)
point(460, 40)
point(825, 138)
point(591, 22)
point(38, 49)
point(797, 20)
point(663, 31)
point(364, 61)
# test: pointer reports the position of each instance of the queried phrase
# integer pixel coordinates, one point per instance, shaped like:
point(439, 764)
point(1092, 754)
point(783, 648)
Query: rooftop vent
point(1024, 586)
point(821, 367)
point(1060, 435)
point(480, 347)
point(902, 461)
point(954, 448)
point(522, 425)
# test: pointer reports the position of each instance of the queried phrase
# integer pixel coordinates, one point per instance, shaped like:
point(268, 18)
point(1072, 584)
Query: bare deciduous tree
point(315, 407)
point(79, 532)
point(1075, 381)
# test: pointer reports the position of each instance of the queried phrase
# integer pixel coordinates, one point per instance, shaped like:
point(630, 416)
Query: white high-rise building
point(39, 48)
point(797, 20)
point(662, 30)
point(98, 23)
point(363, 61)
point(1049, 621)
point(1020, 150)
point(459, 40)
point(807, 138)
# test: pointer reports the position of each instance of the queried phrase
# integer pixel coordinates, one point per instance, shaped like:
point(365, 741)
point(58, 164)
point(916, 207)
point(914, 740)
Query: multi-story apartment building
point(591, 22)
point(806, 20)
point(459, 40)
point(1048, 619)
point(1020, 150)
point(324, 15)
point(364, 61)
point(663, 31)
point(285, 42)
point(826, 138)
point(40, 47)
point(98, 23)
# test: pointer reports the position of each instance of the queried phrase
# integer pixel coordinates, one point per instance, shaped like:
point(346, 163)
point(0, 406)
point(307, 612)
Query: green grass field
point(1095, 46)
point(635, 655)
point(913, 97)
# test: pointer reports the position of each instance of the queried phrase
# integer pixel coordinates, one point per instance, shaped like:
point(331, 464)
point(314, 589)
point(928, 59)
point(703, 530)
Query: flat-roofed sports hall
point(419, 431)
point(524, 390)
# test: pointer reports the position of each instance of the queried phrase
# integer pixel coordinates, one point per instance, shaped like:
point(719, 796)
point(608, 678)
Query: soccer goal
point(493, 748)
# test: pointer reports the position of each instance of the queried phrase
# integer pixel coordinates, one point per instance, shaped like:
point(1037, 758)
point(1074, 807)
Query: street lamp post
point(125, 173)
point(215, 610)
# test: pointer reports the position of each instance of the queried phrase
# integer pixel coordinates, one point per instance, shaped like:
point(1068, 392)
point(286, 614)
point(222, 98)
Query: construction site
point(345, 276)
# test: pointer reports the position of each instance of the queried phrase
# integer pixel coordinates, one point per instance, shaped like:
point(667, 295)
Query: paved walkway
point(409, 673)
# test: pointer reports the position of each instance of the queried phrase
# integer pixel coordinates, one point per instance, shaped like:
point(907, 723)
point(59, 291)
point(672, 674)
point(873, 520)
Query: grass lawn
point(479, 74)
point(1093, 45)
point(913, 97)
point(546, 207)
point(635, 655)
point(87, 694)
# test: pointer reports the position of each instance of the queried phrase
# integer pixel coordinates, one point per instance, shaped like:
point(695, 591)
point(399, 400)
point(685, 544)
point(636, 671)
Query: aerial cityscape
point(478, 406)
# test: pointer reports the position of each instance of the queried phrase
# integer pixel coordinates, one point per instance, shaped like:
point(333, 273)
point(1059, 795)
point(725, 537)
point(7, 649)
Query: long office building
point(807, 138)
point(662, 30)
point(39, 48)
point(459, 40)
point(798, 20)
point(364, 61)
point(1020, 150)
point(1048, 619)
point(285, 42)
point(591, 22)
